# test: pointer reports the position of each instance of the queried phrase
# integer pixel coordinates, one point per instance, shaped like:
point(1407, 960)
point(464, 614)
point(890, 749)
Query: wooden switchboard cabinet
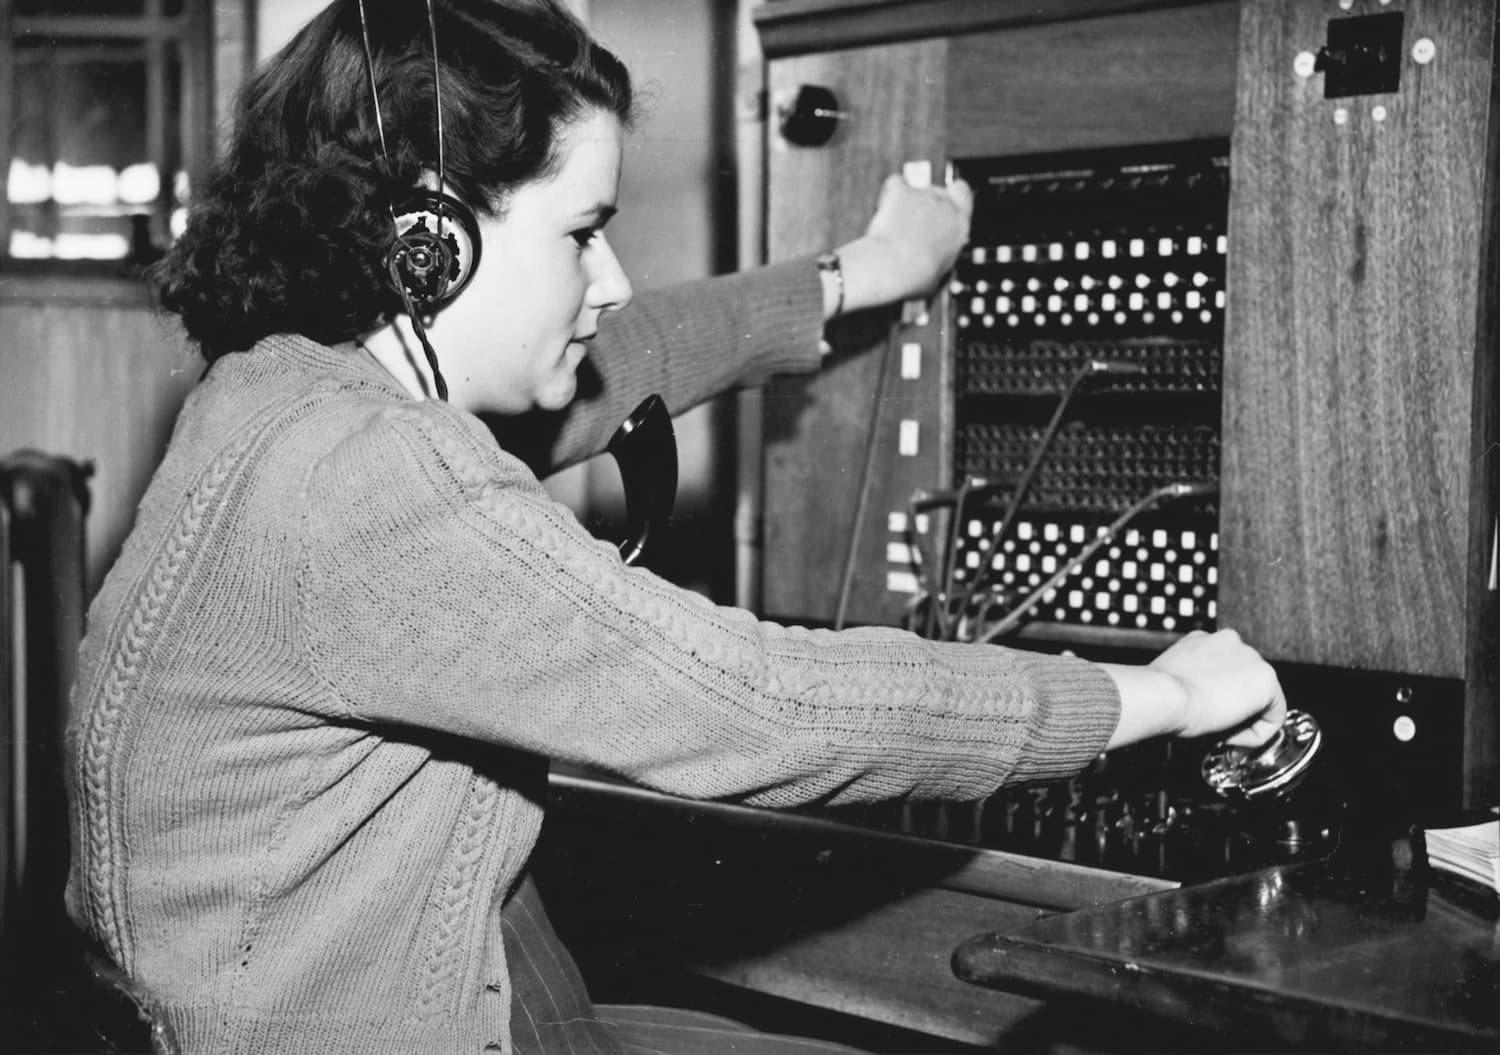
point(1356, 526)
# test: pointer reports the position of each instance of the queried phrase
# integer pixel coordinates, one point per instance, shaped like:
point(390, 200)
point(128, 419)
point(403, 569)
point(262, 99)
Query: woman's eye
point(584, 236)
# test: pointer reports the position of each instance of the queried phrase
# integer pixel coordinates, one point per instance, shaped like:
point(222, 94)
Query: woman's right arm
point(441, 587)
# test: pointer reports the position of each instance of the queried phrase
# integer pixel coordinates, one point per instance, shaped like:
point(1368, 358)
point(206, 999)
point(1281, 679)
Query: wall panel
point(94, 375)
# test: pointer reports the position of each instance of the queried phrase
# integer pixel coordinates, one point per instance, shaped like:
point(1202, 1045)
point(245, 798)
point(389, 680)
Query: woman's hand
point(1203, 684)
point(909, 246)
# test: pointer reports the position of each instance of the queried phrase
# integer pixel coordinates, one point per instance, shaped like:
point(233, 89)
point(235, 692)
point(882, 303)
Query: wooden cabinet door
point(823, 429)
point(1357, 525)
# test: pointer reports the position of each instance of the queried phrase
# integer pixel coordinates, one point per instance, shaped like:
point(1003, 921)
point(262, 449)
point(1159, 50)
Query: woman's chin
point(558, 394)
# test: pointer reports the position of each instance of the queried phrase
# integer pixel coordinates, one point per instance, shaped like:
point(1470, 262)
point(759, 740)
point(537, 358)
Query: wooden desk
point(648, 890)
point(1367, 951)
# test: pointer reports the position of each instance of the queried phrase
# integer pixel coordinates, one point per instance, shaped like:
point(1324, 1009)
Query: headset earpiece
point(436, 249)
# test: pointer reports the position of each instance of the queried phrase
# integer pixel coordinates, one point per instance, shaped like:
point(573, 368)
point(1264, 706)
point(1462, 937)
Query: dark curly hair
point(290, 232)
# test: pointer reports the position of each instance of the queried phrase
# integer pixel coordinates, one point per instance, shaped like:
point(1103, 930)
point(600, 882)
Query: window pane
point(80, 7)
point(96, 7)
point(91, 169)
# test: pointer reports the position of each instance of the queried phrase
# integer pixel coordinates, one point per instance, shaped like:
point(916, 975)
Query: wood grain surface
point(803, 26)
point(1482, 668)
point(799, 907)
point(1353, 294)
point(1126, 79)
point(819, 428)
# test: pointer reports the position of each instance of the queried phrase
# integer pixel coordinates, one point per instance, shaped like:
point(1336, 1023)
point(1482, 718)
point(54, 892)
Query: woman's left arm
point(690, 342)
point(686, 343)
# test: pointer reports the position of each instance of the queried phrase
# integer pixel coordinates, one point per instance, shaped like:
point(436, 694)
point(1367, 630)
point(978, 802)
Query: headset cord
point(440, 386)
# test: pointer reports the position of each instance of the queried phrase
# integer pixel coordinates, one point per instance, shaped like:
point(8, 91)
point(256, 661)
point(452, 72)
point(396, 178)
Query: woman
point(322, 682)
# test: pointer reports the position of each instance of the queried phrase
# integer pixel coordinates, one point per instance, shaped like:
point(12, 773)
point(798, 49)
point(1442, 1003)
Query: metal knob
point(810, 117)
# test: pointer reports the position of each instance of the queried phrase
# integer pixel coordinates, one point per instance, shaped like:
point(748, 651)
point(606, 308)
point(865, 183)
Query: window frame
point(213, 43)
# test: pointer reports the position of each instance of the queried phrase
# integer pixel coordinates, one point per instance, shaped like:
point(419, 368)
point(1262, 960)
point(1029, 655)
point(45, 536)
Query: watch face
point(1272, 769)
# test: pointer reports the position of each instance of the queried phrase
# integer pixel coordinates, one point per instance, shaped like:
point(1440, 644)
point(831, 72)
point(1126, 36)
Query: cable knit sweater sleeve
point(441, 588)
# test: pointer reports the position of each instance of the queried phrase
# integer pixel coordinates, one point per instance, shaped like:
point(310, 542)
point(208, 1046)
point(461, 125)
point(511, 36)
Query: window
point(107, 112)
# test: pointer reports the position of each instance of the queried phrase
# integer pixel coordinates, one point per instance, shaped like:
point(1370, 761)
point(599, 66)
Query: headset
point(436, 246)
point(432, 258)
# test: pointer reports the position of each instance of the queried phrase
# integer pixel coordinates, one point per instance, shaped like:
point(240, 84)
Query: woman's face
point(514, 338)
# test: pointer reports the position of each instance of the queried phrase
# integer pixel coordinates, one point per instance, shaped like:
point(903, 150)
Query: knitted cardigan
point(320, 685)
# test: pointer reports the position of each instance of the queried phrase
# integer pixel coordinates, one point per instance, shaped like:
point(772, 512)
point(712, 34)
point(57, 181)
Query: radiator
point(44, 502)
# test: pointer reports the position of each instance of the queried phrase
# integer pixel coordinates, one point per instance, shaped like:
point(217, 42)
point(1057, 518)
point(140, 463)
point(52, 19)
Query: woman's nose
point(610, 288)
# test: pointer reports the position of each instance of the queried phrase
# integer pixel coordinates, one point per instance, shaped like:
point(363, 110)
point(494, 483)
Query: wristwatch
point(829, 263)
